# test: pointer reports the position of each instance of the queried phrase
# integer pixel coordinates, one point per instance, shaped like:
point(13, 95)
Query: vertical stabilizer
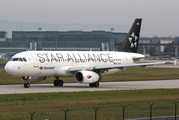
point(131, 42)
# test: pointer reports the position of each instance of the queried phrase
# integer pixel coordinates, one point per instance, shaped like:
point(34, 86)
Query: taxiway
point(76, 87)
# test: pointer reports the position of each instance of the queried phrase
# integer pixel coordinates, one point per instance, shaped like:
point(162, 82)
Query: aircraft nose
point(8, 68)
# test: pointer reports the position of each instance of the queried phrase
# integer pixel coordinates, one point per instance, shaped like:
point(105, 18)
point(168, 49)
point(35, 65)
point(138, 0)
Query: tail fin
point(131, 42)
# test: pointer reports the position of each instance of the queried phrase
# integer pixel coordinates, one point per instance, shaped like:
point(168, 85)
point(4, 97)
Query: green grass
point(3, 61)
point(80, 104)
point(138, 73)
point(130, 74)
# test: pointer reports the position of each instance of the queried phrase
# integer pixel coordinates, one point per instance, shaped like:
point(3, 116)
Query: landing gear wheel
point(26, 85)
point(91, 84)
point(55, 82)
point(58, 82)
point(96, 84)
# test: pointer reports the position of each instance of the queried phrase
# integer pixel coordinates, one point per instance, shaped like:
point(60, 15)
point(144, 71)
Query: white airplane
point(85, 66)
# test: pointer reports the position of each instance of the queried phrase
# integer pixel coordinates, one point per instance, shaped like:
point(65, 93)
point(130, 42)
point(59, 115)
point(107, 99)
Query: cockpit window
point(24, 60)
point(15, 59)
point(18, 59)
point(11, 59)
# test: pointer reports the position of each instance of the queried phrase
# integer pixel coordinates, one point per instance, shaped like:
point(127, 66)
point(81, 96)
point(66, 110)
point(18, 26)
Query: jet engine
point(32, 79)
point(87, 77)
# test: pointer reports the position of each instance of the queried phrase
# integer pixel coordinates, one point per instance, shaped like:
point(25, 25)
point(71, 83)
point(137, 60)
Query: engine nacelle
point(87, 77)
point(32, 79)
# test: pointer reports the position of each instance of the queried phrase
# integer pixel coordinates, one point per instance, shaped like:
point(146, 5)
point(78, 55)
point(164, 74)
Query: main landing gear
point(96, 84)
point(58, 82)
point(26, 85)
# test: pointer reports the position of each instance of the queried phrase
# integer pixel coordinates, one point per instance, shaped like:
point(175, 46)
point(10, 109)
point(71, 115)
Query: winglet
point(172, 62)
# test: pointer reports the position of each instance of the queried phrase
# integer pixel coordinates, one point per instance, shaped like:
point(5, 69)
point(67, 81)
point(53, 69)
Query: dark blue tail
point(131, 42)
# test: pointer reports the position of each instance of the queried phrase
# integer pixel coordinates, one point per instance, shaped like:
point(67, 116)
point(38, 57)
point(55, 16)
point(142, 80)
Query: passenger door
point(35, 60)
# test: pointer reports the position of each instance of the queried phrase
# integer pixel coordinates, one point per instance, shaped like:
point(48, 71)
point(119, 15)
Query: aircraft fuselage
point(48, 63)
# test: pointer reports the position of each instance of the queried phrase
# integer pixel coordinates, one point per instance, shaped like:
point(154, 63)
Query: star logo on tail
point(133, 40)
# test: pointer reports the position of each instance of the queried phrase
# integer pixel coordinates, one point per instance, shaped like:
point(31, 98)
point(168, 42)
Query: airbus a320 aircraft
point(85, 66)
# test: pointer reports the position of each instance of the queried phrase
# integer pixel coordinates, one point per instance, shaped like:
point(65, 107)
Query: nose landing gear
point(26, 85)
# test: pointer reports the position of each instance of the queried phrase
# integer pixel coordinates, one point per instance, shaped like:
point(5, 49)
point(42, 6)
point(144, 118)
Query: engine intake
point(87, 77)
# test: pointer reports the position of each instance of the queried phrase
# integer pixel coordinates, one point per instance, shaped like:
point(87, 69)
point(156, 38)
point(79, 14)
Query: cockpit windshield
point(18, 59)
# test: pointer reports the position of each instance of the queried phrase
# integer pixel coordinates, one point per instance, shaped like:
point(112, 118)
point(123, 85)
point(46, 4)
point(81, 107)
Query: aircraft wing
point(147, 57)
point(74, 69)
